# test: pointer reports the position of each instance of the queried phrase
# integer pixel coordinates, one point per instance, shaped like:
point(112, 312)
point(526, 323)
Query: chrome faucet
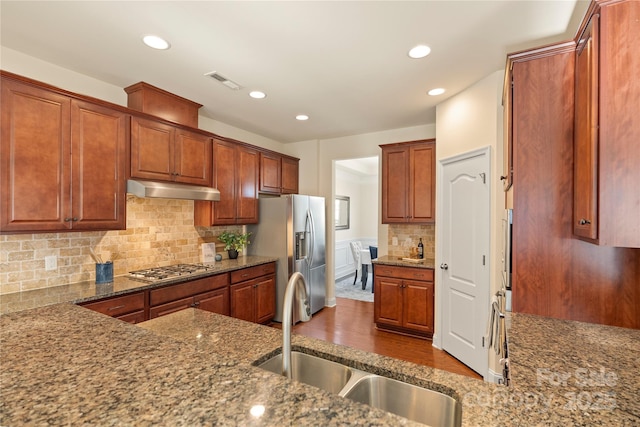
point(296, 287)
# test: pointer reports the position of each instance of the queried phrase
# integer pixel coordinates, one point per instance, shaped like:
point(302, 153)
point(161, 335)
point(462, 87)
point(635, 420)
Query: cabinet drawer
point(188, 289)
point(252, 272)
point(119, 305)
point(425, 274)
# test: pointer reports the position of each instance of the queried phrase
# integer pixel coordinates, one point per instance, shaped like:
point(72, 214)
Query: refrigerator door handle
point(312, 233)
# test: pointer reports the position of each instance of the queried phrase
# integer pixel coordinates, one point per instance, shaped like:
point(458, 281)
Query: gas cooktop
point(170, 272)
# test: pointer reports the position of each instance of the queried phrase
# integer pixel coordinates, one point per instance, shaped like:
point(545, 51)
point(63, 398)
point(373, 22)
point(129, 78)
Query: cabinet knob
point(75, 218)
point(444, 266)
point(67, 219)
point(584, 221)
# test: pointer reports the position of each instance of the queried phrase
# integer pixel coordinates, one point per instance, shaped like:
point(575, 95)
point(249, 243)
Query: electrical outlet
point(394, 241)
point(50, 263)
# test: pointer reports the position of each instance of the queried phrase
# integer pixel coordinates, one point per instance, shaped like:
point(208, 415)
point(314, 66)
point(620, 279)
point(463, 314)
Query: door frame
point(485, 152)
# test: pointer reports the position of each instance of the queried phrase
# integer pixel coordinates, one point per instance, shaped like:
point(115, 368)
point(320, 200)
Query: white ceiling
point(344, 64)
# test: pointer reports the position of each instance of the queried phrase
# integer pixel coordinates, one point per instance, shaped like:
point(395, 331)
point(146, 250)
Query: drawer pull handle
point(117, 307)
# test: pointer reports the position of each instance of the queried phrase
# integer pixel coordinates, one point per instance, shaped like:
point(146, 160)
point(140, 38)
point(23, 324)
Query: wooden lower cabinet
point(253, 293)
point(129, 308)
point(251, 297)
point(403, 300)
point(210, 294)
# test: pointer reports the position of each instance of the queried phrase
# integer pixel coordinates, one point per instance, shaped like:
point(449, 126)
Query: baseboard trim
point(493, 377)
point(330, 302)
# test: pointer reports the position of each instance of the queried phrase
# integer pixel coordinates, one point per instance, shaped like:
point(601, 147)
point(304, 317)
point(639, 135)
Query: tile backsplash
point(408, 236)
point(159, 232)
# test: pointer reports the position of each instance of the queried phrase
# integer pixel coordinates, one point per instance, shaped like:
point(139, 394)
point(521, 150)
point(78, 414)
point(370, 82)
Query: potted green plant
point(234, 242)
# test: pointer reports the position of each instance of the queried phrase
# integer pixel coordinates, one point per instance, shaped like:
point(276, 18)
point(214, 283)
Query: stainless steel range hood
point(170, 190)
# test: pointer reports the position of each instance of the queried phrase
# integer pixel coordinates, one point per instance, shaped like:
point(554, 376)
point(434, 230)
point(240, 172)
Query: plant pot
point(233, 253)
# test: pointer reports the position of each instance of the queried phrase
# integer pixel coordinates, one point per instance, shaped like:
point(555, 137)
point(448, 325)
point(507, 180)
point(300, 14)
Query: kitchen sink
point(407, 400)
point(400, 398)
point(312, 370)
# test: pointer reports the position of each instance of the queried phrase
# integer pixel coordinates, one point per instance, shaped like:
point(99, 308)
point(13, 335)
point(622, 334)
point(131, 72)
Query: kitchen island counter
point(66, 365)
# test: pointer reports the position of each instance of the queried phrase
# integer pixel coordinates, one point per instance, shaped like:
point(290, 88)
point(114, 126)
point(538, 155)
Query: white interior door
point(464, 237)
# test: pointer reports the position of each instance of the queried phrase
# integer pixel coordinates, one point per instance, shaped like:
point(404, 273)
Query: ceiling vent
point(222, 79)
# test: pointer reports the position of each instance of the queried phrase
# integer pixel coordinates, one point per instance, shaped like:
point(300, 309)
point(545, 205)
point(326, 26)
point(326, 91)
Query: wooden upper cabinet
point(160, 151)
point(585, 166)
point(235, 175)
point(290, 175)
point(98, 137)
point(278, 174)
point(63, 162)
point(270, 173)
point(607, 129)
point(408, 182)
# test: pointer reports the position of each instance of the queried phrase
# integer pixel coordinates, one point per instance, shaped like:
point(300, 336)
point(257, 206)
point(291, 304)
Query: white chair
point(356, 249)
point(362, 259)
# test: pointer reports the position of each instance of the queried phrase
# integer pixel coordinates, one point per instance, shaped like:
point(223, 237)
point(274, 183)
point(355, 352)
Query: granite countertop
point(89, 290)
point(583, 373)
point(66, 365)
point(399, 262)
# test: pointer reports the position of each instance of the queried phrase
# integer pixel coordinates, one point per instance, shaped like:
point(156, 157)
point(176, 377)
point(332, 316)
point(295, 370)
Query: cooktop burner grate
point(169, 272)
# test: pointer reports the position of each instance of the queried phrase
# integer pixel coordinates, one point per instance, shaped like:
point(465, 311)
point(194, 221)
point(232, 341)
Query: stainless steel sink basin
point(407, 400)
point(400, 398)
point(312, 370)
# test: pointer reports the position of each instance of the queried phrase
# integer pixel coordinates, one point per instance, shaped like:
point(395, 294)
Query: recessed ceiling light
point(257, 94)
point(156, 42)
point(434, 92)
point(419, 51)
point(302, 117)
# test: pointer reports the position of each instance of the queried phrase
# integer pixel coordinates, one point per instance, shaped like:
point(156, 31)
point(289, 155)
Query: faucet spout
point(296, 287)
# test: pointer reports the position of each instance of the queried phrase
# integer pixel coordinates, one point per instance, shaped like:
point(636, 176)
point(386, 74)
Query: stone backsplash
point(408, 236)
point(159, 232)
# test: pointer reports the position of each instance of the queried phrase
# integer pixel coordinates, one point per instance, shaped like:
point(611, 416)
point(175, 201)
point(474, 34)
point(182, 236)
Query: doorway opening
point(356, 189)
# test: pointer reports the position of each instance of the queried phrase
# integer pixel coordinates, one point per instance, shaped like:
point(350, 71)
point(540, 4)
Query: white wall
point(363, 194)
point(473, 119)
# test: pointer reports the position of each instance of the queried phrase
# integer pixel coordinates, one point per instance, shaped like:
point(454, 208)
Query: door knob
point(444, 266)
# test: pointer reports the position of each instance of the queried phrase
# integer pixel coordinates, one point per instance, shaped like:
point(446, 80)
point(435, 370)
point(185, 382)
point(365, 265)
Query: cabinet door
point(270, 173)
point(171, 307)
point(224, 210)
point(242, 301)
point(265, 299)
point(289, 176)
point(418, 305)
point(422, 182)
point(192, 158)
point(99, 158)
point(151, 150)
point(215, 301)
point(247, 170)
point(395, 184)
point(388, 301)
point(585, 178)
point(35, 160)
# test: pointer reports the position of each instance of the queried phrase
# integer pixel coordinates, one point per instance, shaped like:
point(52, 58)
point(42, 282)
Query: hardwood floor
point(350, 323)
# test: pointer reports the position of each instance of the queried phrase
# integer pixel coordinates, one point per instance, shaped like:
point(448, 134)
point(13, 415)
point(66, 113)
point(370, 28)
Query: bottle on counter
point(420, 249)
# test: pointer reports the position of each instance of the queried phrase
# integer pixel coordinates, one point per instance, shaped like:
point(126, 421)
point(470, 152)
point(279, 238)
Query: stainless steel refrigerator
point(292, 228)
